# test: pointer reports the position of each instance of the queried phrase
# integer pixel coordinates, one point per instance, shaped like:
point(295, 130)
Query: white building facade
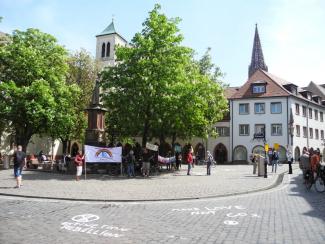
point(269, 110)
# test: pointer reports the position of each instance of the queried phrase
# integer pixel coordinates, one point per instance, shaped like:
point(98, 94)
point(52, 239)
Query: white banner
point(103, 154)
point(152, 147)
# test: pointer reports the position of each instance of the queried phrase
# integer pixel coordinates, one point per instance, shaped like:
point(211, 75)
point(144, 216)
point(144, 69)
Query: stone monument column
point(95, 132)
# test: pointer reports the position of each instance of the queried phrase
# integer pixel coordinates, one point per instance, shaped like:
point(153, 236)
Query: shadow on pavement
point(41, 175)
point(316, 200)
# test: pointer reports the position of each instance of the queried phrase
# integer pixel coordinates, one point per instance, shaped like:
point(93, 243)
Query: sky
point(291, 31)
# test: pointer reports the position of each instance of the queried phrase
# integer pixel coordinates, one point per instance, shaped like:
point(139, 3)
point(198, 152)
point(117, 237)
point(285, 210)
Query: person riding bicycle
point(304, 163)
point(314, 161)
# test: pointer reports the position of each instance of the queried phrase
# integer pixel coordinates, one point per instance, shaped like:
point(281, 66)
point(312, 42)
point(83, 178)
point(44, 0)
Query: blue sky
point(291, 31)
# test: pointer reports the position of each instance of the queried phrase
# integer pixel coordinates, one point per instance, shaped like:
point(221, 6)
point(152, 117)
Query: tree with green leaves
point(34, 97)
point(157, 90)
point(82, 72)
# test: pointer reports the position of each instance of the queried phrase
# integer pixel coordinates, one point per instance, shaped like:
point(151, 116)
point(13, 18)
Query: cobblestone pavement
point(225, 180)
point(285, 214)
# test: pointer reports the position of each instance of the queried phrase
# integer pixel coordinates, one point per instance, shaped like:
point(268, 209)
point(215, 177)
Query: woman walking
point(79, 162)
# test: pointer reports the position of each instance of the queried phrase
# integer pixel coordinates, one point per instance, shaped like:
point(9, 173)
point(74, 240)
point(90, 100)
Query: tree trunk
point(146, 127)
point(69, 147)
point(173, 143)
point(145, 133)
point(22, 137)
point(64, 146)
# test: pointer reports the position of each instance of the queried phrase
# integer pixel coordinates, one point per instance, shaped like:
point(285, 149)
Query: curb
point(277, 182)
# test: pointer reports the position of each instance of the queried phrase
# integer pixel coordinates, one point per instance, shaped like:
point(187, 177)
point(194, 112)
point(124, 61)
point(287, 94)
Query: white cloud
point(297, 40)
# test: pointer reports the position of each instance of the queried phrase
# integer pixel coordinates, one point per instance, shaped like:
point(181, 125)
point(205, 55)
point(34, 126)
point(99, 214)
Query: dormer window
point(258, 89)
point(291, 88)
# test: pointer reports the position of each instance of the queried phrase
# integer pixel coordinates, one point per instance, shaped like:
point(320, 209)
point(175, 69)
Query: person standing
point(178, 160)
point(19, 164)
point(275, 160)
point(289, 160)
point(78, 161)
point(145, 163)
point(130, 162)
point(209, 162)
point(189, 161)
point(254, 162)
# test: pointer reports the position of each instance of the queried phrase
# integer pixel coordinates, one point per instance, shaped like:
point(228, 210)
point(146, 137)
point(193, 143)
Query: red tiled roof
point(273, 86)
point(230, 91)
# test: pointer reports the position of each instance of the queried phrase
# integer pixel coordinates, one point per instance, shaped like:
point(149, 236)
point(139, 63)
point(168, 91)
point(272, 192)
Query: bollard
point(265, 167)
point(290, 166)
point(6, 162)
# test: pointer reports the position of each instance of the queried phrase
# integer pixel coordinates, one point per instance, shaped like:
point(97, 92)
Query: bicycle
point(320, 179)
point(309, 179)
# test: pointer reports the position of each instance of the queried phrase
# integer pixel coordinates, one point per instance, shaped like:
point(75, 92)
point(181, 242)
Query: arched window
point(220, 153)
point(165, 150)
point(103, 50)
point(282, 154)
point(108, 49)
point(199, 151)
point(297, 153)
point(259, 150)
point(74, 149)
point(240, 153)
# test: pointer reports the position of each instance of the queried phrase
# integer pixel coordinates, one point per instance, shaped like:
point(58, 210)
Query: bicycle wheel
point(309, 182)
point(319, 184)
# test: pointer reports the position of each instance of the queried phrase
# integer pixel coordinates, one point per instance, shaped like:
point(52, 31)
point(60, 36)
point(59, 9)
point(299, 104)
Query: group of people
point(273, 159)
point(309, 161)
point(190, 161)
point(146, 157)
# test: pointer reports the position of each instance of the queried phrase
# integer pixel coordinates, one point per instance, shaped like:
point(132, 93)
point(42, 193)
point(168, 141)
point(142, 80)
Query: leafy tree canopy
point(34, 96)
point(157, 89)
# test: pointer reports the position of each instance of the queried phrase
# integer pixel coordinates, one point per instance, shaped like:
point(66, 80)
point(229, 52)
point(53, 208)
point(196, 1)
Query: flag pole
point(85, 169)
point(85, 164)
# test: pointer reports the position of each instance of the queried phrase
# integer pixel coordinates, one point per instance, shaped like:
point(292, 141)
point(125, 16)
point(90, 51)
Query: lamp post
point(266, 148)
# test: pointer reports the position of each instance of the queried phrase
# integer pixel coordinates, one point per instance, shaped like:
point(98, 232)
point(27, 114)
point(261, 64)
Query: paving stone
point(225, 179)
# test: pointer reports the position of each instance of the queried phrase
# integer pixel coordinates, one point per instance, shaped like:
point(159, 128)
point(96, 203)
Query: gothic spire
point(257, 61)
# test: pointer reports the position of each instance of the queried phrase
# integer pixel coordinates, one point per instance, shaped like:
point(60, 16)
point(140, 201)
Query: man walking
point(19, 164)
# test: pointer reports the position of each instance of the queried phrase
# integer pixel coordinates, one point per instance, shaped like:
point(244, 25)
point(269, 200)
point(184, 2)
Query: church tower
point(105, 45)
point(257, 61)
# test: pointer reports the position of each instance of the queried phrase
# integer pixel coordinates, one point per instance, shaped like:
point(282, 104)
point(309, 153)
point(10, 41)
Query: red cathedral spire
point(257, 61)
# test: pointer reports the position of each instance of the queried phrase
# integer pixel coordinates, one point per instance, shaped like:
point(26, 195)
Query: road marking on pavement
point(82, 224)
point(233, 215)
point(84, 218)
point(213, 210)
point(230, 222)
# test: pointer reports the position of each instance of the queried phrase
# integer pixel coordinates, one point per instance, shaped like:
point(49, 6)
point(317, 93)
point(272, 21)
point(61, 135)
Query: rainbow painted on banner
point(104, 152)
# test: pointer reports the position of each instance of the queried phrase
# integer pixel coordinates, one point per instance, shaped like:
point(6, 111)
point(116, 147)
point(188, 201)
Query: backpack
point(275, 156)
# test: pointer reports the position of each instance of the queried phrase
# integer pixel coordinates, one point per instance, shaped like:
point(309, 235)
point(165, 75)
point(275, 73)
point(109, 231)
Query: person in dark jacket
point(19, 164)
point(130, 162)
point(209, 162)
